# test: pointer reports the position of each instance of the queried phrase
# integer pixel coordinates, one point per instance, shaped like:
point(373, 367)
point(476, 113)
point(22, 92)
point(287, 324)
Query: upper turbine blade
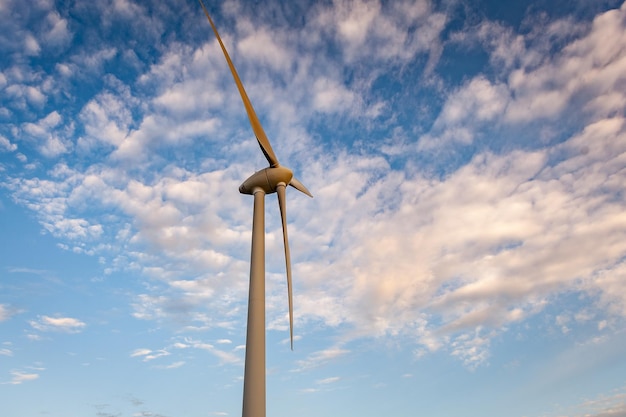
point(299, 186)
point(280, 190)
point(254, 120)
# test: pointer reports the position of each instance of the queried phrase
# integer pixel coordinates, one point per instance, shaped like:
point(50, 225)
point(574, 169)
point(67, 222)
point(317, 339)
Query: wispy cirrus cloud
point(225, 357)
point(222, 355)
point(321, 357)
point(321, 385)
point(173, 365)
point(329, 380)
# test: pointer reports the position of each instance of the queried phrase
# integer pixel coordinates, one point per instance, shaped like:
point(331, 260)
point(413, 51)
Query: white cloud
point(540, 84)
point(155, 355)
point(466, 111)
point(224, 357)
point(507, 48)
point(31, 45)
point(56, 33)
point(321, 357)
point(47, 135)
point(140, 352)
point(22, 95)
point(612, 290)
point(106, 118)
point(587, 71)
point(482, 247)
point(127, 8)
point(354, 20)
point(612, 404)
point(93, 61)
point(148, 354)
point(57, 324)
point(371, 30)
point(329, 380)
point(6, 145)
point(75, 228)
point(330, 96)
point(19, 377)
point(479, 100)
point(6, 312)
point(174, 365)
point(267, 49)
point(473, 350)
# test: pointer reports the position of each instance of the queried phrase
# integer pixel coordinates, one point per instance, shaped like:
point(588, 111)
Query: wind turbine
point(274, 178)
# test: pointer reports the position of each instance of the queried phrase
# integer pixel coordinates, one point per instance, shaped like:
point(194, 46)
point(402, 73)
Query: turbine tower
point(274, 178)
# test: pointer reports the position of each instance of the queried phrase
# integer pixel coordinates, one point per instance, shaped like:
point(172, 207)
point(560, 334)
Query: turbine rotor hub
point(267, 180)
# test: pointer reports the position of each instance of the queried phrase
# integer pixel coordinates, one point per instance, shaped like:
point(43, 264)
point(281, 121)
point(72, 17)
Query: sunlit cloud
point(19, 377)
point(605, 405)
point(57, 324)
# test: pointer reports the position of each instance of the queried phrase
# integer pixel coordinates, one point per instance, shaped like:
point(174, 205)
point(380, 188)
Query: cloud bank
point(444, 232)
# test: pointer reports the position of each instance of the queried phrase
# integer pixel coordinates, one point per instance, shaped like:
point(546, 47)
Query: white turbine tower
point(275, 178)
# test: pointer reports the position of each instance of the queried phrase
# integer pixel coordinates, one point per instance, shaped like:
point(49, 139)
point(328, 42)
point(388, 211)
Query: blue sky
point(464, 255)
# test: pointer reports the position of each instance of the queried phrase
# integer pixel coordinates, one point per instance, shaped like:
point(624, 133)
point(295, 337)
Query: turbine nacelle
point(267, 180)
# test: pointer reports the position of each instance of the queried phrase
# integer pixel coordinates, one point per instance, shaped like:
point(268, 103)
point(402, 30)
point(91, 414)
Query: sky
point(464, 253)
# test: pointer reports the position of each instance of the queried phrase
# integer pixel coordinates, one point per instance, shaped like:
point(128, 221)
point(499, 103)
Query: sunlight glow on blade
point(264, 143)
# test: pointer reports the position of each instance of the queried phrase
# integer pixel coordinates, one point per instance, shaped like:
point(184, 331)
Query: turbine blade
point(280, 191)
point(299, 186)
point(264, 143)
